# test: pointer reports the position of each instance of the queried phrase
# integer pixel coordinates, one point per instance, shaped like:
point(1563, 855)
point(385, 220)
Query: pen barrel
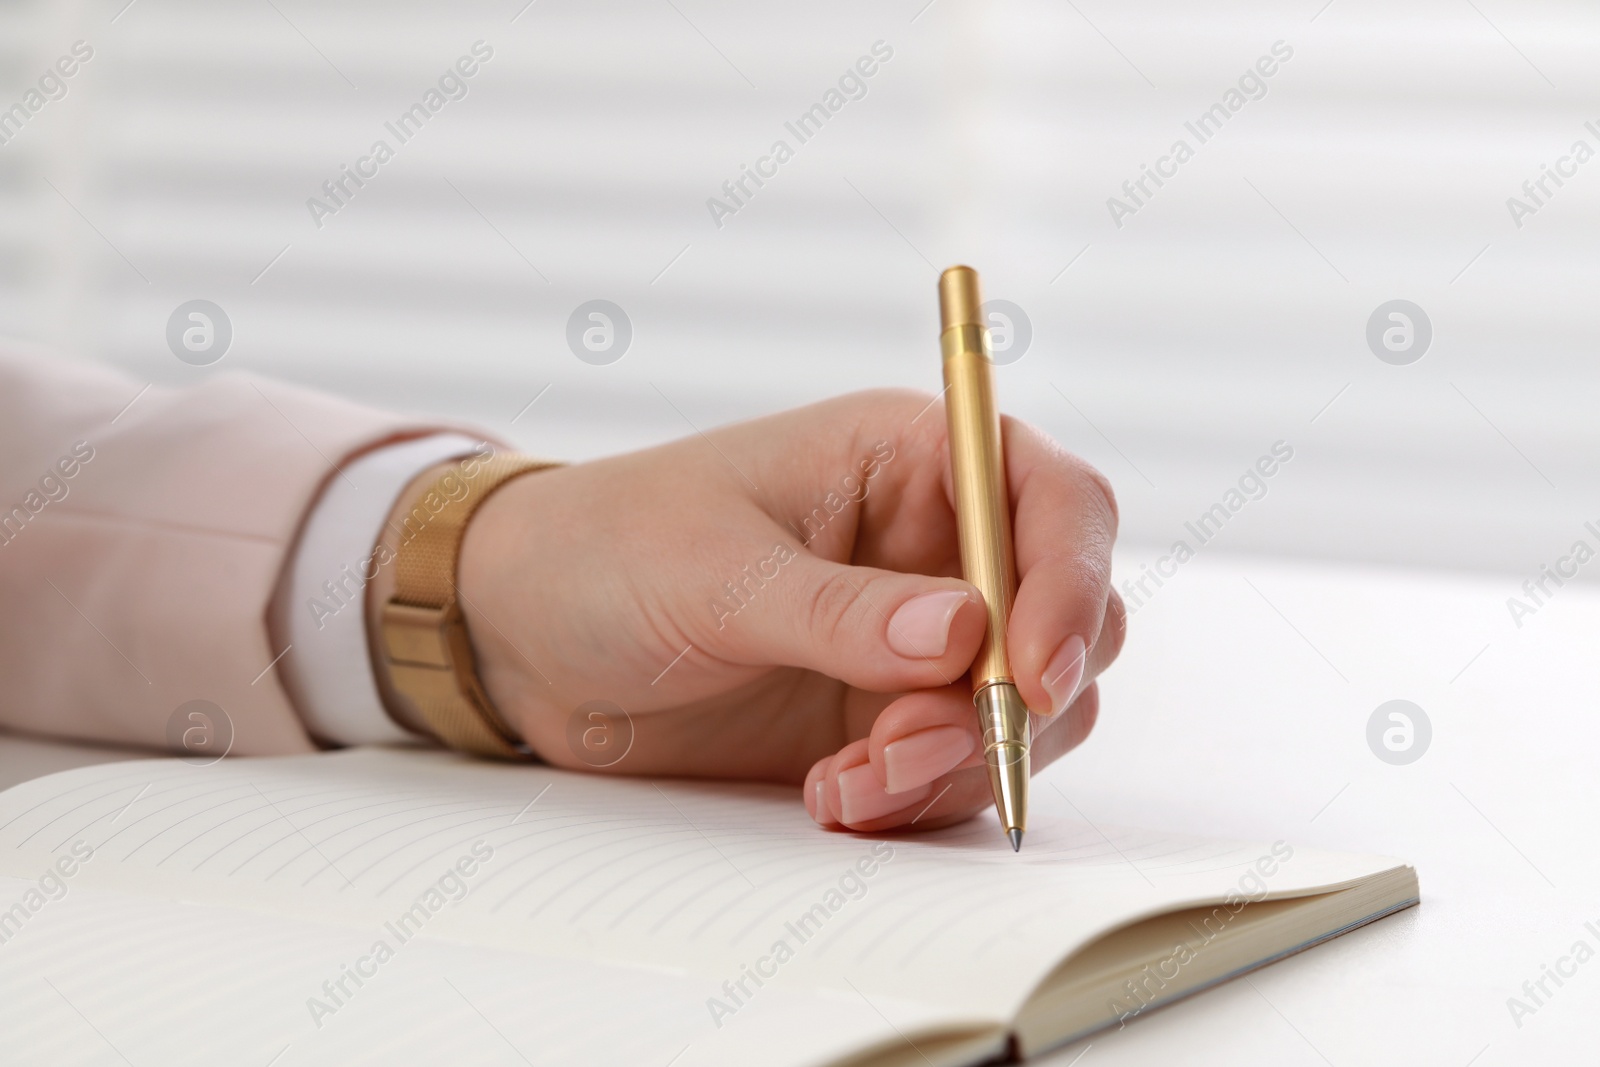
point(983, 507)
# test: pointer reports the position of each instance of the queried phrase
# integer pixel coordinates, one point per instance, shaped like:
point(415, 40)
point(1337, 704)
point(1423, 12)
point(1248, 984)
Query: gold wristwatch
point(425, 643)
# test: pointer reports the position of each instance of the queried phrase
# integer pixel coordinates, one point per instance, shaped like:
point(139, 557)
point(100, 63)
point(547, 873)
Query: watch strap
point(425, 642)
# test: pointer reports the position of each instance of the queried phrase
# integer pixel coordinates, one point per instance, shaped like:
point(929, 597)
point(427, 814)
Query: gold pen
point(983, 516)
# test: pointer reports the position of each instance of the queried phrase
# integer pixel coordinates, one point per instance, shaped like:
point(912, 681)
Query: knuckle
point(867, 408)
point(895, 396)
point(1071, 473)
point(893, 414)
point(1097, 485)
point(833, 605)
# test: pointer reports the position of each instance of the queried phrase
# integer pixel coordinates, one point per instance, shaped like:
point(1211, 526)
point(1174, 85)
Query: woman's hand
point(778, 600)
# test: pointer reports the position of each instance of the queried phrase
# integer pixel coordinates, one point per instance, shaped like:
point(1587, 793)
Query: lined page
point(721, 884)
point(94, 976)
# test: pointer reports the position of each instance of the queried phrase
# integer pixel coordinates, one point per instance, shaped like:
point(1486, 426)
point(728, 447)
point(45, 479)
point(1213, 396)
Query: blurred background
point(1172, 341)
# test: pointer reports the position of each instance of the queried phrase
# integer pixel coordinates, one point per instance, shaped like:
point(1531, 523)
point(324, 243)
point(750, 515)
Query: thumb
point(873, 629)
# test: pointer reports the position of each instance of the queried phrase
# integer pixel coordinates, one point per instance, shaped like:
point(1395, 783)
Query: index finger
point(1064, 521)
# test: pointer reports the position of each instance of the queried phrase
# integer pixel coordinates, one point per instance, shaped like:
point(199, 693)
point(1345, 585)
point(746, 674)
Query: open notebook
point(410, 906)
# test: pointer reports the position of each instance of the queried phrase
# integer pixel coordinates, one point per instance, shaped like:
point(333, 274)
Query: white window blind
point(1227, 311)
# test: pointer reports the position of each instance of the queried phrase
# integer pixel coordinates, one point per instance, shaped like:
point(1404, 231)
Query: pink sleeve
point(142, 535)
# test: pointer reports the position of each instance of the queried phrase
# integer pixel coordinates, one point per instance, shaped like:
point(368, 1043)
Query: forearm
point(148, 581)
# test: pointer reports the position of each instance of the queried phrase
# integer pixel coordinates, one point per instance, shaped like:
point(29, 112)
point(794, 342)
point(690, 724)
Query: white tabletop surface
point(1240, 709)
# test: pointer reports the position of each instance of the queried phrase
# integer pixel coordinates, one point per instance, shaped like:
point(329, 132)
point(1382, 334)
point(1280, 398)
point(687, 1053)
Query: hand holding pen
point(793, 610)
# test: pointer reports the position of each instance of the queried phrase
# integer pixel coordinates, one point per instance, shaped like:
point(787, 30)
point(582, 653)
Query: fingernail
point(920, 629)
point(1064, 672)
point(919, 758)
point(862, 799)
point(819, 805)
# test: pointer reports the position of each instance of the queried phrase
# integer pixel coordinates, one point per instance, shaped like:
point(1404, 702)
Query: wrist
point(496, 581)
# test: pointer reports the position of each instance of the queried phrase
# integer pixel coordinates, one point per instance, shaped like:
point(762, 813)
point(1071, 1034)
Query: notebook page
point(732, 885)
point(97, 977)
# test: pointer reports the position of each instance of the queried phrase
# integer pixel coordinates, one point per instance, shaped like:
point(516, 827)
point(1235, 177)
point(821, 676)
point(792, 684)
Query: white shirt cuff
point(330, 669)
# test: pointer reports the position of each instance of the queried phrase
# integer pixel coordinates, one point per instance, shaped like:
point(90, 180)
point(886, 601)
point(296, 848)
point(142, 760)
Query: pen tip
point(1016, 840)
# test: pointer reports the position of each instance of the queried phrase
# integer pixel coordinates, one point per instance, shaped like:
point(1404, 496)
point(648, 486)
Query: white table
point(1240, 709)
